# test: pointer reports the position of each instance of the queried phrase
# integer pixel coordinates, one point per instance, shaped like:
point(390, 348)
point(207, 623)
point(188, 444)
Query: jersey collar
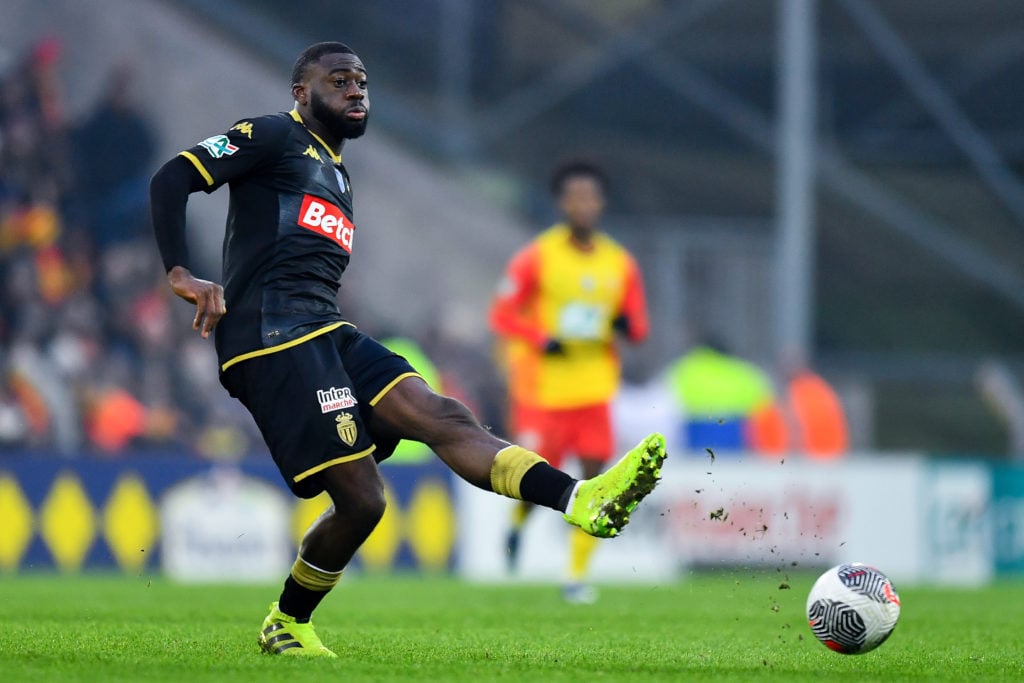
point(336, 158)
point(582, 248)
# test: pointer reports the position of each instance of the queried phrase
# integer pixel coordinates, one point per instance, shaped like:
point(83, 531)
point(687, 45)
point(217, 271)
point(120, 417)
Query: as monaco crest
point(347, 430)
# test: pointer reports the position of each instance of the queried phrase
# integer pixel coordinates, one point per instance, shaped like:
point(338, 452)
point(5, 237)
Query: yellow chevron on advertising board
point(131, 523)
point(430, 525)
point(16, 514)
point(67, 522)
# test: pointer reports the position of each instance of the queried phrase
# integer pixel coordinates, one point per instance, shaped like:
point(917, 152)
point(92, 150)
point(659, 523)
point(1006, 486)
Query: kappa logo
point(244, 127)
point(218, 146)
point(310, 152)
point(325, 218)
point(335, 399)
point(347, 430)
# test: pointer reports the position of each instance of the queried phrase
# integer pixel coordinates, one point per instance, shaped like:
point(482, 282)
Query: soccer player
point(330, 401)
point(565, 299)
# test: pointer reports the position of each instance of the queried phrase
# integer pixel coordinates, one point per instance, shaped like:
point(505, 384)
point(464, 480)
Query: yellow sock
point(313, 578)
point(581, 548)
point(508, 468)
point(520, 513)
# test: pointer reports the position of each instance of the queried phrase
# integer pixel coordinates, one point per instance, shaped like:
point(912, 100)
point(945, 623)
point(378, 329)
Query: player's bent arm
point(516, 292)
point(168, 196)
point(508, 321)
point(169, 191)
point(634, 305)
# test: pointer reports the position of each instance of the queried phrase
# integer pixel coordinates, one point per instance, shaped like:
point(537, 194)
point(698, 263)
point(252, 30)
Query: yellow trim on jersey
point(336, 158)
point(391, 385)
point(199, 166)
point(331, 463)
point(281, 347)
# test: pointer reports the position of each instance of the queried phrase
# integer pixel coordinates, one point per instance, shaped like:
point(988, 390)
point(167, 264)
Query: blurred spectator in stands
point(114, 151)
point(30, 232)
point(810, 420)
point(47, 402)
point(46, 85)
point(13, 421)
point(32, 123)
point(116, 417)
point(718, 392)
point(60, 339)
point(206, 410)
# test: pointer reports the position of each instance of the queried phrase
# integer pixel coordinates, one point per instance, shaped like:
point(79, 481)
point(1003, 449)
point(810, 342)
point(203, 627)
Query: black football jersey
point(289, 232)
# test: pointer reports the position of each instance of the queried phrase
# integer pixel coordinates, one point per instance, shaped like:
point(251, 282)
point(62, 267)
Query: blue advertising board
point(72, 514)
point(1008, 519)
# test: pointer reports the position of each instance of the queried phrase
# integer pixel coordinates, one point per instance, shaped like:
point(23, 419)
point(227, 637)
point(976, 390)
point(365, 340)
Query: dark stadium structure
point(680, 97)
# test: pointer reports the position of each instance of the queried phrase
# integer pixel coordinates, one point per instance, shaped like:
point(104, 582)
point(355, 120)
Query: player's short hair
point(576, 168)
point(313, 53)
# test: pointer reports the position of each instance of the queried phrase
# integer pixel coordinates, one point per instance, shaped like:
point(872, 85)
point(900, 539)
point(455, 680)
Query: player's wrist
point(621, 324)
point(178, 273)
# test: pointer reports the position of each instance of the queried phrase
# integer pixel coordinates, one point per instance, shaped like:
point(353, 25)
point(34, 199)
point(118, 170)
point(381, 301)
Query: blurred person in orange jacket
point(811, 420)
point(565, 299)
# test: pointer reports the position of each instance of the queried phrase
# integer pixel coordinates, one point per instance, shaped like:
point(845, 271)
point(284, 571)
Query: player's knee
point(357, 496)
point(367, 507)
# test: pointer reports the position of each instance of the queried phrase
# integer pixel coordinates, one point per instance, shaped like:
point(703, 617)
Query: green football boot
point(282, 635)
point(602, 505)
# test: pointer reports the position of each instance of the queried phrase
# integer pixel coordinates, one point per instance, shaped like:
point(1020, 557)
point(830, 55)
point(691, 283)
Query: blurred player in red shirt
point(565, 299)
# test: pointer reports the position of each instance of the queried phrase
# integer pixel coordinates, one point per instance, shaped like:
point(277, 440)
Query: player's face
point(338, 95)
point(582, 201)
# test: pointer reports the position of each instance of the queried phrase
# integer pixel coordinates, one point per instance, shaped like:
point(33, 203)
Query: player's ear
point(299, 93)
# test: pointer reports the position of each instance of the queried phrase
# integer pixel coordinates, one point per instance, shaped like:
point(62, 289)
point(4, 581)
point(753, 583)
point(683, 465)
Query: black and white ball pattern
point(865, 580)
point(853, 608)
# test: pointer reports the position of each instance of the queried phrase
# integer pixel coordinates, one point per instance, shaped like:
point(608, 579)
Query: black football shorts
point(313, 401)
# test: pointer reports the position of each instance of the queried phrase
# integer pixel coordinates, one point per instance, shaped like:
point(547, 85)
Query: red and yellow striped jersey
point(555, 289)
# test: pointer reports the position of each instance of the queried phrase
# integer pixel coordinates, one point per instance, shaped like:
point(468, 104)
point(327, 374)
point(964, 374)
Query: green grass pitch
point(731, 625)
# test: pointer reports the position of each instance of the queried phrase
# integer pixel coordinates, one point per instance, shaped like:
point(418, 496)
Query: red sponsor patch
point(326, 219)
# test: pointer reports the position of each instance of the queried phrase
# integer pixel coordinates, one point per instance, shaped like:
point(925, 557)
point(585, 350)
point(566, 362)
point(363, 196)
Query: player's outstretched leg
point(601, 506)
point(282, 635)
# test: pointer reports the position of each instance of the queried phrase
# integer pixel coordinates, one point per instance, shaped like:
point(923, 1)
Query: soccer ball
point(853, 608)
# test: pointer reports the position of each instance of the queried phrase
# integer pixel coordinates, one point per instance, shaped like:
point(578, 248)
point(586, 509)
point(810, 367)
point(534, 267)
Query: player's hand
point(553, 347)
point(621, 323)
point(207, 296)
